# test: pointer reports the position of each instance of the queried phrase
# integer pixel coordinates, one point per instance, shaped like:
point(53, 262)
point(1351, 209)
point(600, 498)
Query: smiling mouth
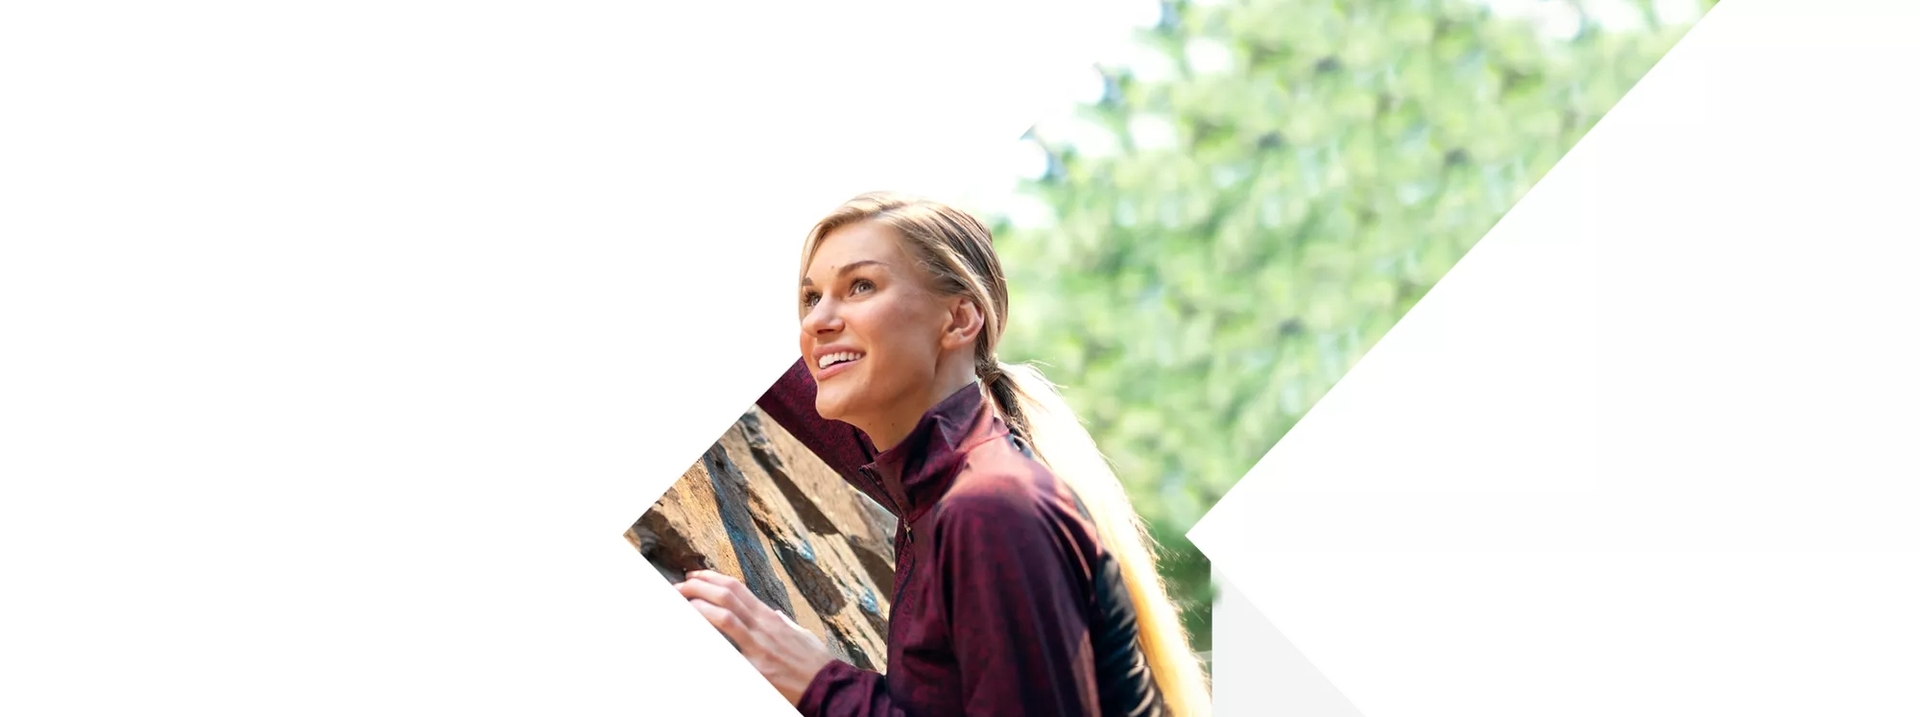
point(835, 362)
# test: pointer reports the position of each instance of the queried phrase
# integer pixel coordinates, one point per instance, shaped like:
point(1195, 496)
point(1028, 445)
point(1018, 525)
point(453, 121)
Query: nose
point(822, 319)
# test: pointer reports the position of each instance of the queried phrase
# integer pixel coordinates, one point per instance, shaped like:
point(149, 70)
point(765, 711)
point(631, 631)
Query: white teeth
point(841, 357)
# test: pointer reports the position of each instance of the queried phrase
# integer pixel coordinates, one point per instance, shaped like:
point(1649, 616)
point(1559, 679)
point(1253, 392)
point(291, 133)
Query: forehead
point(862, 241)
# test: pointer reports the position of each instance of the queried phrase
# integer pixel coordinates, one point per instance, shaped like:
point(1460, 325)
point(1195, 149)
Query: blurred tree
point(1296, 176)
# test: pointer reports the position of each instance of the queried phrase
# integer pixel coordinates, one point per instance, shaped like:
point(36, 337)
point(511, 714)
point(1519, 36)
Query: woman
point(1024, 581)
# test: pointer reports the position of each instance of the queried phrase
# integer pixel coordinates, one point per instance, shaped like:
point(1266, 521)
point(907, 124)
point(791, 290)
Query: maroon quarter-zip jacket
point(1004, 601)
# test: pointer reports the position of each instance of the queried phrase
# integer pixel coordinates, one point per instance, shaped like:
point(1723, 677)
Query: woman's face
point(870, 330)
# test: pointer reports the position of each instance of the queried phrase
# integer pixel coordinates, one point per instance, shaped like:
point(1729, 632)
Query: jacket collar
point(918, 471)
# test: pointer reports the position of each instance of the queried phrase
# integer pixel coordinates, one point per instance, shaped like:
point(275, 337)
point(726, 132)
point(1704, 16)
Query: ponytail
point(956, 251)
point(1034, 410)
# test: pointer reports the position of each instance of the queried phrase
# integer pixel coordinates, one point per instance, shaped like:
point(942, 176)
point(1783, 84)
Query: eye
point(808, 299)
point(861, 286)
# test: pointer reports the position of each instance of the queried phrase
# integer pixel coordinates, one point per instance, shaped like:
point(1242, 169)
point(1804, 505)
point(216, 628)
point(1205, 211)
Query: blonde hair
point(956, 252)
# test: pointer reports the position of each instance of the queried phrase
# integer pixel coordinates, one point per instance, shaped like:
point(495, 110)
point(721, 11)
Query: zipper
point(906, 570)
point(882, 490)
point(902, 544)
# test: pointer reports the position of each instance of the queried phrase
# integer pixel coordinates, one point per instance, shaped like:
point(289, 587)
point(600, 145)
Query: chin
point(826, 410)
point(831, 403)
point(845, 400)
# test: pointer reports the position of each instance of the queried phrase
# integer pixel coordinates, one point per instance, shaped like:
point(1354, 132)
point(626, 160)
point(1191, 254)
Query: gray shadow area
point(1258, 671)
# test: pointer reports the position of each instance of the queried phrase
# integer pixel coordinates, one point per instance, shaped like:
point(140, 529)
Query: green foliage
point(1195, 299)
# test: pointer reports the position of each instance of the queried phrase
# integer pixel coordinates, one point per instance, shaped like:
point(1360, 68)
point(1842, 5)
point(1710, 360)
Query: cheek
point(902, 335)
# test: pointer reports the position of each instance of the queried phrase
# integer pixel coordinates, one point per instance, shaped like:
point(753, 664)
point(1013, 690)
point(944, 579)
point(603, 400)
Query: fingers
point(724, 620)
point(725, 581)
point(717, 594)
point(726, 603)
point(711, 576)
point(726, 592)
point(779, 648)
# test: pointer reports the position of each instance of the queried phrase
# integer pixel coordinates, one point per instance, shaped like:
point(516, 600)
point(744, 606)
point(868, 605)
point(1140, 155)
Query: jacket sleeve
point(790, 403)
point(842, 690)
point(1015, 611)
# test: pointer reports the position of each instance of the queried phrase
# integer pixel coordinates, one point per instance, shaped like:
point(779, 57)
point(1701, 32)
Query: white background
point(338, 344)
point(1648, 448)
point(342, 341)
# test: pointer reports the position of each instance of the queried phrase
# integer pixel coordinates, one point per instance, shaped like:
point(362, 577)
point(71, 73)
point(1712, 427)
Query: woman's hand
point(784, 653)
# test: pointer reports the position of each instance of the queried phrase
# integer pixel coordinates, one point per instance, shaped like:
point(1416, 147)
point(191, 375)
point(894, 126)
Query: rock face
point(762, 508)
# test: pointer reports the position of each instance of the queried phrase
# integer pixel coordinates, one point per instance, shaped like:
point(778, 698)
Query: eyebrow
point(808, 281)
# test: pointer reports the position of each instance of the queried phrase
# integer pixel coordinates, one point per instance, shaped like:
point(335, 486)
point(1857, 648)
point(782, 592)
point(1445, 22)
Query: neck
point(888, 430)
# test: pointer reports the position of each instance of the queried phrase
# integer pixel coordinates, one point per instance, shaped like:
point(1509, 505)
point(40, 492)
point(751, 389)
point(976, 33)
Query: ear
point(964, 323)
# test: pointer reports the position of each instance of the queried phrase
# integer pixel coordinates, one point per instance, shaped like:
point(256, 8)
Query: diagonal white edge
point(1645, 450)
point(338, 345)
point(1258, 671)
